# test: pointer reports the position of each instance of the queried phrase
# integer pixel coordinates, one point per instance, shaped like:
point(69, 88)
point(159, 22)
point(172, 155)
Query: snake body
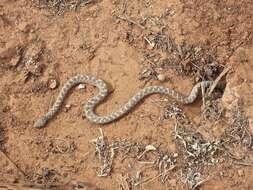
point(103, 92)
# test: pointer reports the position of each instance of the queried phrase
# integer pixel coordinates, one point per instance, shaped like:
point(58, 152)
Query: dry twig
point(224, 72)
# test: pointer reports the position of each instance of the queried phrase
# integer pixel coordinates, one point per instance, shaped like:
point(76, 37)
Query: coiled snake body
point(103, 92)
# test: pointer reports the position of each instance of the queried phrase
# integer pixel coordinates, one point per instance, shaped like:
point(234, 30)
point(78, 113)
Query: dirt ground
point(160, 144)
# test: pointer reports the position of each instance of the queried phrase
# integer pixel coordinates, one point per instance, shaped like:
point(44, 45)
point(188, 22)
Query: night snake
point(103, 92)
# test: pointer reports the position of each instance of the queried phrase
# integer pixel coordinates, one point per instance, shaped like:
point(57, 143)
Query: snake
point(91, 104)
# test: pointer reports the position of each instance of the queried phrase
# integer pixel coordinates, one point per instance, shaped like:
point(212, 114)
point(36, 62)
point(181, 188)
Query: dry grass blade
point(13, 163)
point(106, 154)
point(153, 178)
point(130, 21)
point(224, 72)
point(244, 163)
point(123, 183)
point(60, 6)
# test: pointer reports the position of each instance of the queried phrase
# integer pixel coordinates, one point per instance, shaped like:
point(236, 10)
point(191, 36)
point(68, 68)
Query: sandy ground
point(129, 44)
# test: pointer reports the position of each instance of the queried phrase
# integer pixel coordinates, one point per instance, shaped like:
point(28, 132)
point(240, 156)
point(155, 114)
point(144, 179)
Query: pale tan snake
point(103, 92)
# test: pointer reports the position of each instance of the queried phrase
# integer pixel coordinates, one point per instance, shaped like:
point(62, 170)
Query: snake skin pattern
point(103, 92)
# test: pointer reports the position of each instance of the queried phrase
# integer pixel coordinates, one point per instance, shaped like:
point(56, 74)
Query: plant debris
point(60, 6)
point(193, 178)
point(2, 137)
point(52, 83)
point(212, 110)
point(105, 153)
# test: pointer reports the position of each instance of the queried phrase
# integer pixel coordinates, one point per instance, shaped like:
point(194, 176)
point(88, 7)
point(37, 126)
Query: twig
point(243, 163)
point(130, 21)
point(152, 179)
point(183, 141)
point(224, 72)
point(250, 137)
point(102, 133)
point(199, 183)
point(16, 166)
point(124, 6)
point(21, 186)
point(149, 42)
point(146, 162)
point(203, 96)
point(123, 182)
point(81, 3)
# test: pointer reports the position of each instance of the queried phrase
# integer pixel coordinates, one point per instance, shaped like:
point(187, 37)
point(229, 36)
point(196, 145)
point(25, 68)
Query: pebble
point(15, 60)
point(161, 77)
point(150, 147)
point(81, 86)
point(53, 84)
point(67, 107)
point(241, 173)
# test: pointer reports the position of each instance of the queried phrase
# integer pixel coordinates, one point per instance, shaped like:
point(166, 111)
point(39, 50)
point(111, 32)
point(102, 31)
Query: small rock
point(241, 173)
point(15, 60)
point(142, 115)
point(150, 147)
point(67, 107)
point(81, 86)
point(53, 83)
point(161, 77)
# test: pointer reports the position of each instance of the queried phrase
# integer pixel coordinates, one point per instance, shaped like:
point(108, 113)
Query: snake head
point(40, 123)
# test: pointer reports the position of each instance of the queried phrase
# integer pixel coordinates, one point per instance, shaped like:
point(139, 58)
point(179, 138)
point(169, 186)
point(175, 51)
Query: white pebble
point(67, 107)
point(161, 77)
point(241, 173)
point(150, 147)
point(81, 86)
point(53, 83)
